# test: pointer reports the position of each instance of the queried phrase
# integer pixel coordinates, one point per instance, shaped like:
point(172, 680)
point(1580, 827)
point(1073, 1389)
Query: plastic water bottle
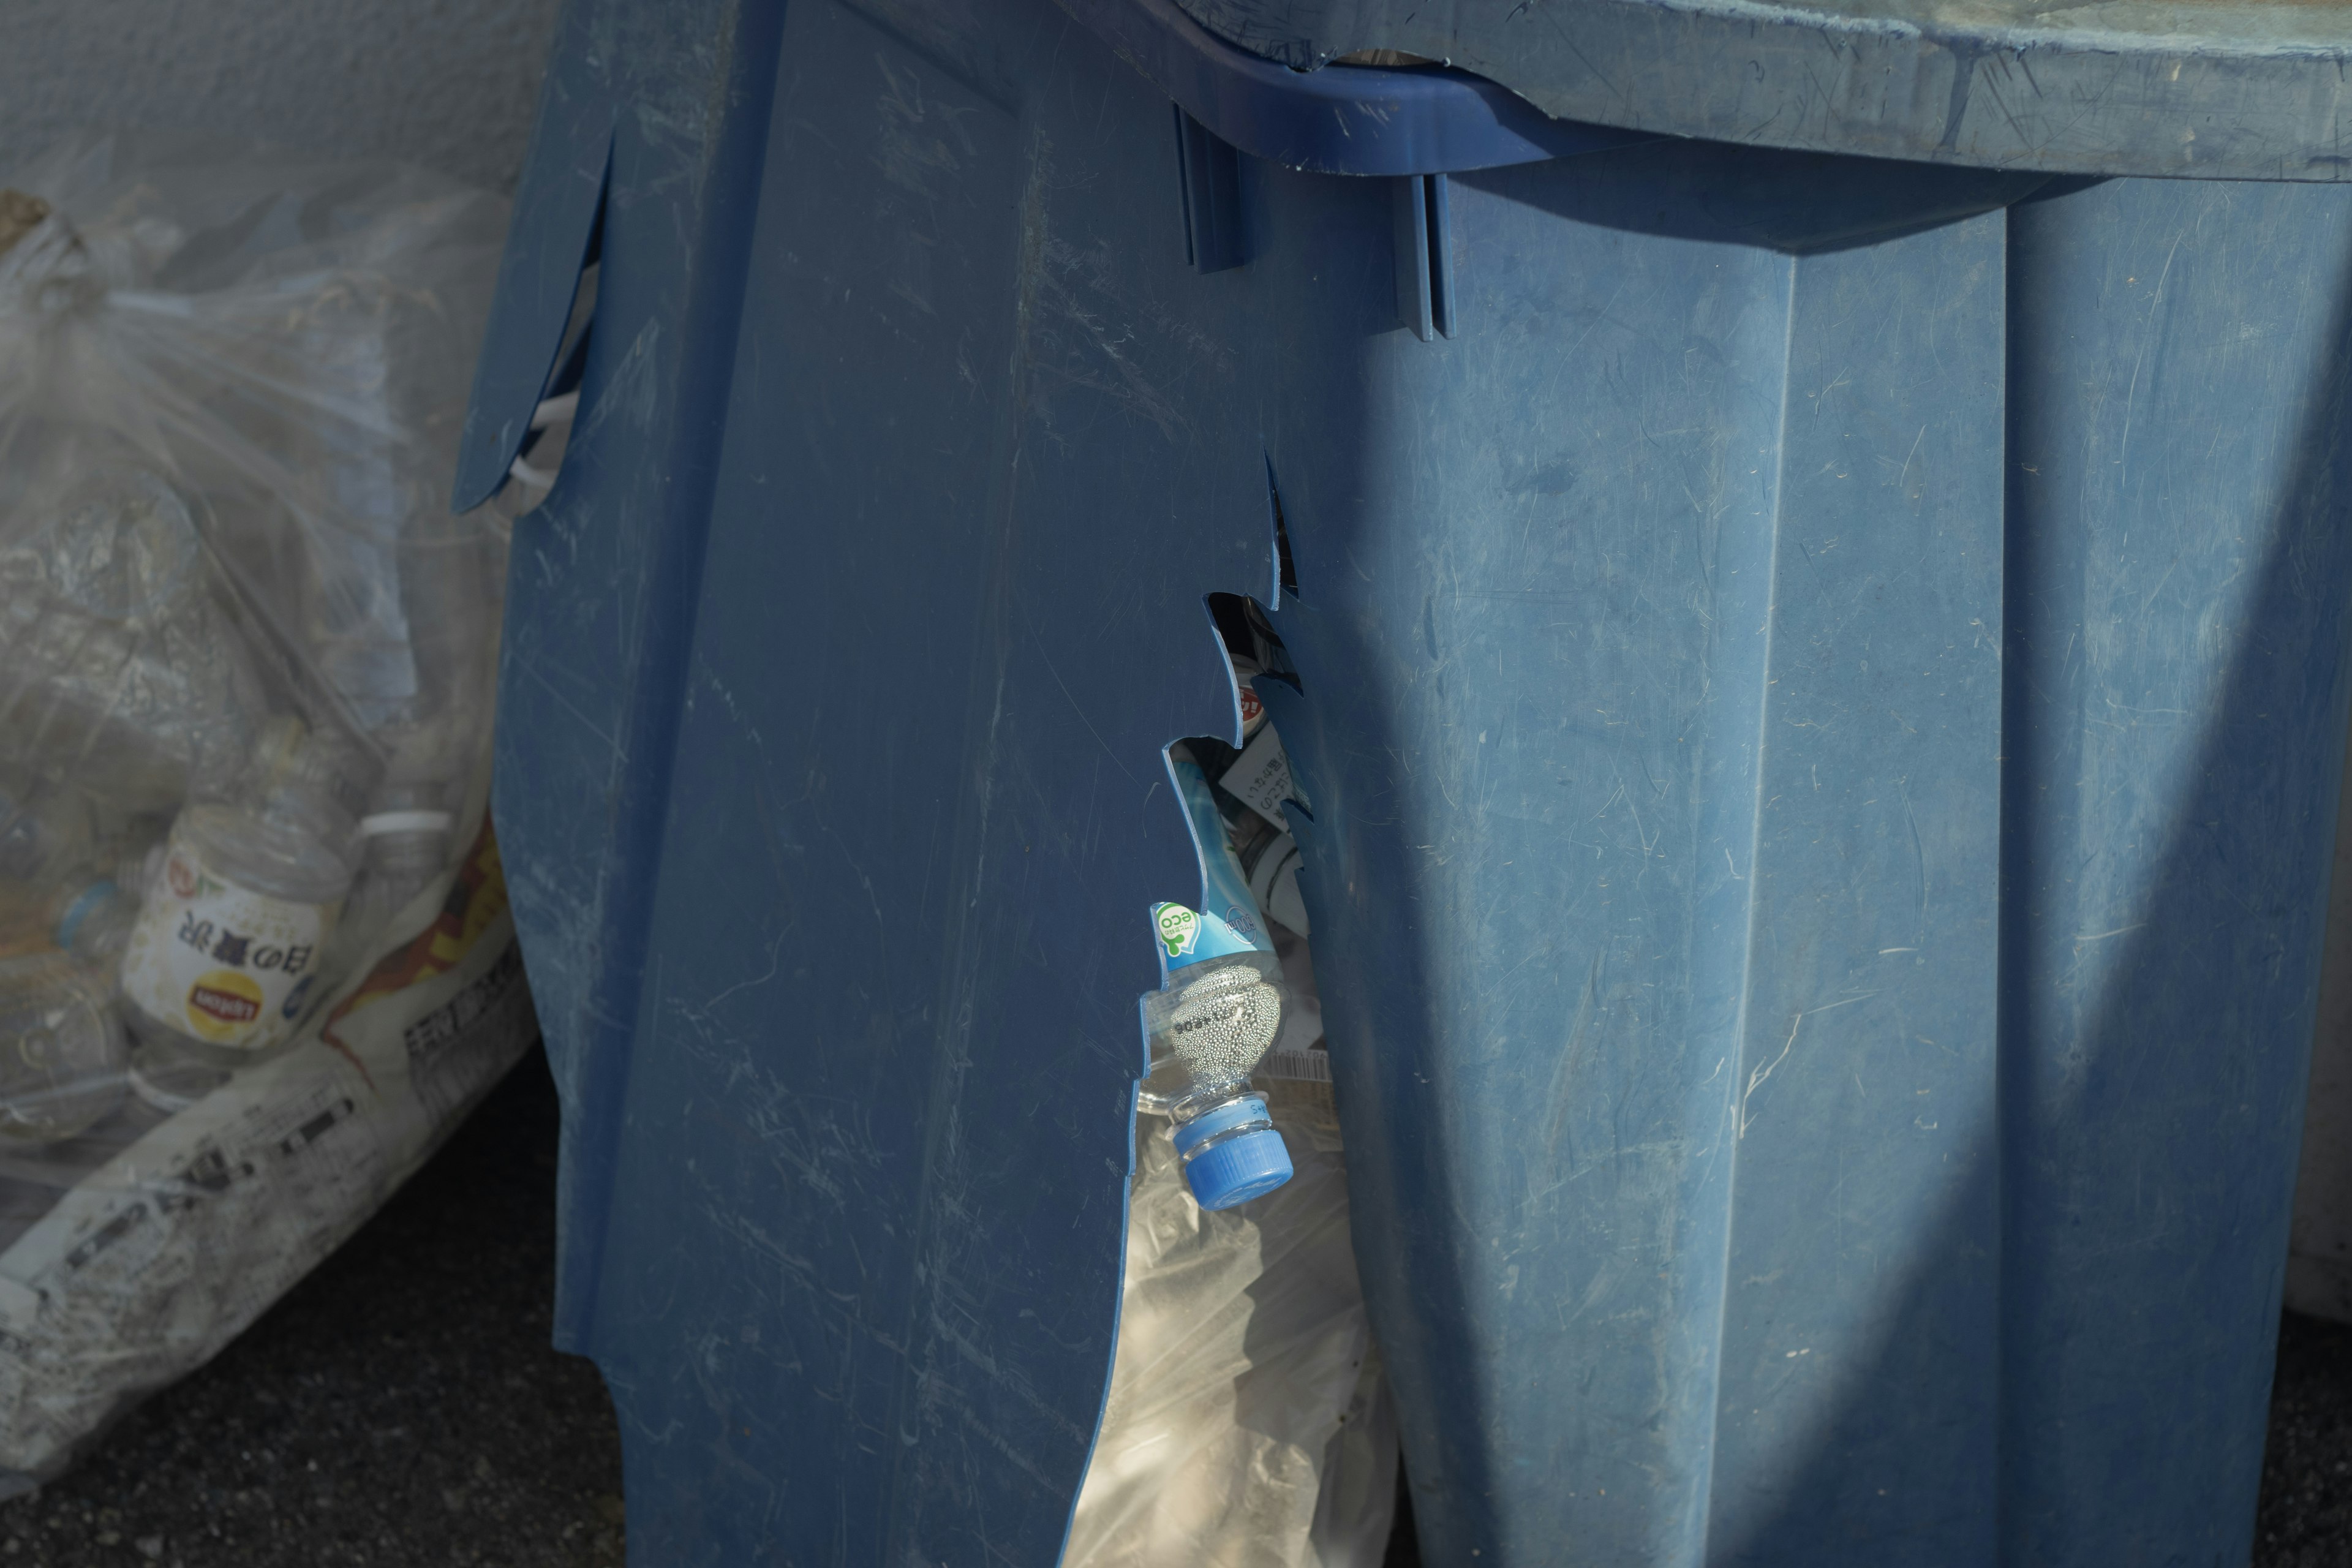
point(82, 906)
point(61, 1049)
point(1217, 1013)
point(230, 944)
point(407, 840)
point(45, 830)
point(90, 922)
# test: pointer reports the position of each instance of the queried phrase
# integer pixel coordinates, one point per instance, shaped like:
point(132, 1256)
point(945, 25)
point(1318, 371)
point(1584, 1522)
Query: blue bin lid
point(2133, 87)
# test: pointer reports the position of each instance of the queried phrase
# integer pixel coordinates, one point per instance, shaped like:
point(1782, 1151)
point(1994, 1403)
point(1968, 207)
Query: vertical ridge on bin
point(1554, 638)
point(584, 754)
point(1410, 195)
point(1216, 233)
point(1183, 127)
point(1744, 730)
point(1440, 256)
point(1864, 1107)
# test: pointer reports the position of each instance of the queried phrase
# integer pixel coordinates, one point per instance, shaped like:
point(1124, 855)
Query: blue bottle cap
point(87, 902)
point(1243, 1166)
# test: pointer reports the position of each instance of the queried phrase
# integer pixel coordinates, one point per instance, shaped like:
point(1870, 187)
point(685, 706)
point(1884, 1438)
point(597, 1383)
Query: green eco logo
point(1180, 928)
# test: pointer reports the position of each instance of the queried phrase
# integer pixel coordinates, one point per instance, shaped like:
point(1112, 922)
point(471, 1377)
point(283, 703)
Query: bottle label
point(1179, 927)
point(1187, 938)
point(228, 965)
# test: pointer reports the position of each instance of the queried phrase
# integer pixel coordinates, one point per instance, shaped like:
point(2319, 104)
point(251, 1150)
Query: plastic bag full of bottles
point(247, 660)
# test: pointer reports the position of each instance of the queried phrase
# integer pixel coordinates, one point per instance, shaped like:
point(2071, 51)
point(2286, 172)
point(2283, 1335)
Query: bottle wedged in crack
point(1217, 1013)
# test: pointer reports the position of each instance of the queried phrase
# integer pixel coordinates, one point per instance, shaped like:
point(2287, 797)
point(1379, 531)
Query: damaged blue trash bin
point(1820, 685)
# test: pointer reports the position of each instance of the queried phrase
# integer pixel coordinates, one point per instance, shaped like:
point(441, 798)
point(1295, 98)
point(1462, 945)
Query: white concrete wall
point(451, 84)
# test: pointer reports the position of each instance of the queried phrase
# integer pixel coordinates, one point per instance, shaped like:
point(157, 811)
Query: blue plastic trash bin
point(1822, 686)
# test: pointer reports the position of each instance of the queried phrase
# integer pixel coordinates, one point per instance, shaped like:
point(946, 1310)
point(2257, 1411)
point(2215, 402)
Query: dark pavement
point(2305, 1519)
point(399, 1407)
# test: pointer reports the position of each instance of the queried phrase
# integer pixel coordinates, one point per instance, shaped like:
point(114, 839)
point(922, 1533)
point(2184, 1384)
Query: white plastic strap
point(555, 411)
point(384, 822)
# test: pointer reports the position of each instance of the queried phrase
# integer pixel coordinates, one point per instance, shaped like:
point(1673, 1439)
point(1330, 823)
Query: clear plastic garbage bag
point(254, 953)
point(272, 354)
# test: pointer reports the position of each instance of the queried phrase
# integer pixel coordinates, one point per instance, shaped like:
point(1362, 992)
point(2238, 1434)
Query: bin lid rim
point(2184, 89)
point(1353, 120)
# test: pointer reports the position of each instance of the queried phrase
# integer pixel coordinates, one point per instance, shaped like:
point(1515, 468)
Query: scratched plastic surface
point(1821, 700)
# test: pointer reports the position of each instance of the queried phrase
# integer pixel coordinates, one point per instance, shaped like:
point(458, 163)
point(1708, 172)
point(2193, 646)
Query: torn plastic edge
point(1205, 830)
point(1233, 680)
point(561, 403)
point(528, 320)
point(1286, 571)
point(1224, 887)
point(558, 409)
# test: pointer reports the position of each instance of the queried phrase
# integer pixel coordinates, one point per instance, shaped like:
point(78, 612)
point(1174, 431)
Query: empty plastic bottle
point(45, 830)
point(407, 844)
point(57, 892)
point(90, 920)
point(1217, 1013)
point(61, 1049)
point(230, 944)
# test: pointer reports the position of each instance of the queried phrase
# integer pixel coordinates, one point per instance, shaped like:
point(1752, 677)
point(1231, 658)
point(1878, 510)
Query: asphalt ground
point(2305, 1518)
point(401, 1406)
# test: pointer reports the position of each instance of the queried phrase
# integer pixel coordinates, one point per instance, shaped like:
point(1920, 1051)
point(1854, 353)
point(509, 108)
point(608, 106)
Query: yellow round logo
point(223, 1005)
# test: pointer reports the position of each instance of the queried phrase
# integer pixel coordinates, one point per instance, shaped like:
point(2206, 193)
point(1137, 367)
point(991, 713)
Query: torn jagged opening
point(1285, 571)
point(1311, 1477)
point(552, 421)
point(1249, 775)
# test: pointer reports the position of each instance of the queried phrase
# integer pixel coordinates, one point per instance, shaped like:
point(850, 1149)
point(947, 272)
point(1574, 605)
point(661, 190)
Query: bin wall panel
point(803, 1023)
point(1534, 565)
point(1860, 1349)
point(601, 585)
point(878, 1129)
point(1751, 673)
point(2178, 545)
point(1818, 717)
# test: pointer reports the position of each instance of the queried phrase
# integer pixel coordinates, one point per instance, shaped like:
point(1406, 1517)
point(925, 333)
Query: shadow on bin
point(2140, 1058)
point(2067, 1355)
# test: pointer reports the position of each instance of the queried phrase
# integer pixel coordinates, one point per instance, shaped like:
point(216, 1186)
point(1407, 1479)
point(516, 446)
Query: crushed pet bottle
point(1217, 1013)
point(61, 1049)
